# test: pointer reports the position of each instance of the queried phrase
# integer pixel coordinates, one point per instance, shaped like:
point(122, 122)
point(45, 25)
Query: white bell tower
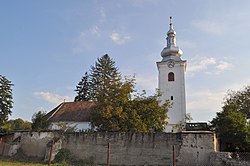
point(171, 81)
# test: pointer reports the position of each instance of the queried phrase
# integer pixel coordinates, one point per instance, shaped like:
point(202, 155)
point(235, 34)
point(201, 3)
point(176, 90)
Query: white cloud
point(118, 38)
point(238, 85)
point(95, 30)
point(210, 27)
point(86, 39)
point(221, 67)
point(224, 66)
point(209, 65)
point(146, 82)
point(203, 104)
point(52, 97)
point(203, 98)
point(199, 64)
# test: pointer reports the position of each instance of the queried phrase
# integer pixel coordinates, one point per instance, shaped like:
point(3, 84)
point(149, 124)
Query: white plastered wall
point(174, 88)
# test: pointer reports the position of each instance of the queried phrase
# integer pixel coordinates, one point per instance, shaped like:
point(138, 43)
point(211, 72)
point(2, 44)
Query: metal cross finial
point(171, 23)
point(170, 20)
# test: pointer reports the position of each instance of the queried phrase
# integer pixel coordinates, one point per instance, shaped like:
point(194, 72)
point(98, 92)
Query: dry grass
point(20, 159)
point(8, 163)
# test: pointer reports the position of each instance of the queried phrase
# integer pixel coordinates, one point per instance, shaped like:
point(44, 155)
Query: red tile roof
point(71, 112)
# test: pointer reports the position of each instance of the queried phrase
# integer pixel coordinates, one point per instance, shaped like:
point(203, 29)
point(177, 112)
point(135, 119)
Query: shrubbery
point(63, 155)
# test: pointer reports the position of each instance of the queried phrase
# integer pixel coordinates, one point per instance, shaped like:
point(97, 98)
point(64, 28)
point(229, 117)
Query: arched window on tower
point(171, 76)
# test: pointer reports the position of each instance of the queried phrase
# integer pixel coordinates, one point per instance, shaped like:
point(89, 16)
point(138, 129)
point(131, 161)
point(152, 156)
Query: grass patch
point(64, 159)
point(9, 163)
point(12, 163)
point(21, 158)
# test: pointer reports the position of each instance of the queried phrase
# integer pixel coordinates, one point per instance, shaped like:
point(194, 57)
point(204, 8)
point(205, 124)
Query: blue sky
point(47, 46)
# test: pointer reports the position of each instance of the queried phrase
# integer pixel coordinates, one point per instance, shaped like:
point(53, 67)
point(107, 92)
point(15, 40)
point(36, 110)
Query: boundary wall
point(184, 148)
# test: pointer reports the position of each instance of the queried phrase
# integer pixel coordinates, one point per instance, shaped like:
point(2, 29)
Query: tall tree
point(232, 129)
point(6, 100)
point(231, 123)
point(116, 109)
point(110, 113)
point(83, 89)
point(105, 79)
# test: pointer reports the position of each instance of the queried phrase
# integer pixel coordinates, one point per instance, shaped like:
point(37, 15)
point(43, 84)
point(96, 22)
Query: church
point(171, 84)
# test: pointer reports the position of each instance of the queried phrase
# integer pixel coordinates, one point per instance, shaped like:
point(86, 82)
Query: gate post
point(108, 155)
point(174, 157)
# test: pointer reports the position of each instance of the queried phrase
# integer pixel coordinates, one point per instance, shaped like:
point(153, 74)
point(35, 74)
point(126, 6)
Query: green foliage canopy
point(105, 80)
point(117, 108)
point(39, 121)
point(231, 123)
point(241, 99)
point(17, 124)
point(141, 114)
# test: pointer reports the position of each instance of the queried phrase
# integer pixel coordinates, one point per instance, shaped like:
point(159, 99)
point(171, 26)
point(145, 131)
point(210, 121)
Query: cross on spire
point(171, 22)
point(171, 39)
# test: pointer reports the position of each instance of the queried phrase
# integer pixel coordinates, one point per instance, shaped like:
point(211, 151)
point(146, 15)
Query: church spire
point(171, 39)
point(171, 49)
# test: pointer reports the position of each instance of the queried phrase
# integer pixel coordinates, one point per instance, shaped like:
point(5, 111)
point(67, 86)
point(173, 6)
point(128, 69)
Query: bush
point(64, 158)
point(63, 155)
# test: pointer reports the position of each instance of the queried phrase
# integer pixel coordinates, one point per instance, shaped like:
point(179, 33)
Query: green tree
point(232, 129)
point(231, 123)
point(145, 114)
point(241, 99)
point(110, 113)
point(141, 114)
point(105, 80)
point(6, 100)
point(17, 124)
point(83, 89)
point(39, 121)
point(116, 109)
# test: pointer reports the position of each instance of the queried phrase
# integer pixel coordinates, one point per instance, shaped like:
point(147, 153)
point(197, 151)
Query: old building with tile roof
point(74, 114)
